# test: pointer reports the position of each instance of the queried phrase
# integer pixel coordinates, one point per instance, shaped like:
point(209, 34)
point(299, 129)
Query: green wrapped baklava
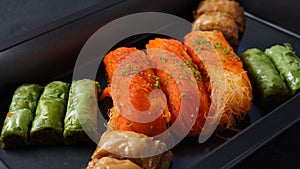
point(288, 65)
point(47, 126)
point(268, 86)
point(81, 111)
point(21, 113)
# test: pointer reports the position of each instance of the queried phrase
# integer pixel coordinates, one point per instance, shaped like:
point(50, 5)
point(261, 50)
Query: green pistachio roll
point(47, 126)
point(288, 65)
point(268, 86)
point(19, 118)
point(81, 112)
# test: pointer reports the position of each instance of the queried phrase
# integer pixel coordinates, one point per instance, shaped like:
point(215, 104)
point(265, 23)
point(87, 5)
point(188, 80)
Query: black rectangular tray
point(50, 54)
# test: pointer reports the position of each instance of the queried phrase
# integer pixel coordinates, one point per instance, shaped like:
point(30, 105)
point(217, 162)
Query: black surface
point(19, 17)
point(282, 13)
point(282, 152)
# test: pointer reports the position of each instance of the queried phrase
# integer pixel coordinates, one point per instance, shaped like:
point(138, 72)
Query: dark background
point(21, 17)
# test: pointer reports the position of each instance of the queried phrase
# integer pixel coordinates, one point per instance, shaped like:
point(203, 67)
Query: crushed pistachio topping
point(129, 68)
point(182, 95)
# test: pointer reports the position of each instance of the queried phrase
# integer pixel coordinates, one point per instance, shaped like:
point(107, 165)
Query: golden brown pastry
point(111, 163)
point(129, 148)
point(218, 21)
point(222, 15)
point(225, 6)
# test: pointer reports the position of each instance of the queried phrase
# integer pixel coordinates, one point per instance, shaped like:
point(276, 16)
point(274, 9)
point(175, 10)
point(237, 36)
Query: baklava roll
point(47, 126)
point(288, 65)
point(269, 87)
point(21, 113)
point(81, 111)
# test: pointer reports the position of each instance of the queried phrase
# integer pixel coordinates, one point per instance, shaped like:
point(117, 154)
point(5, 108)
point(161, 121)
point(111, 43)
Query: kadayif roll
point(21, 113)
point(225, 79)
point(47, 127)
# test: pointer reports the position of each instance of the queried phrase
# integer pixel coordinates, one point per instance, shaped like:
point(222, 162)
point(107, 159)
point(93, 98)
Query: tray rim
point(57, 24)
